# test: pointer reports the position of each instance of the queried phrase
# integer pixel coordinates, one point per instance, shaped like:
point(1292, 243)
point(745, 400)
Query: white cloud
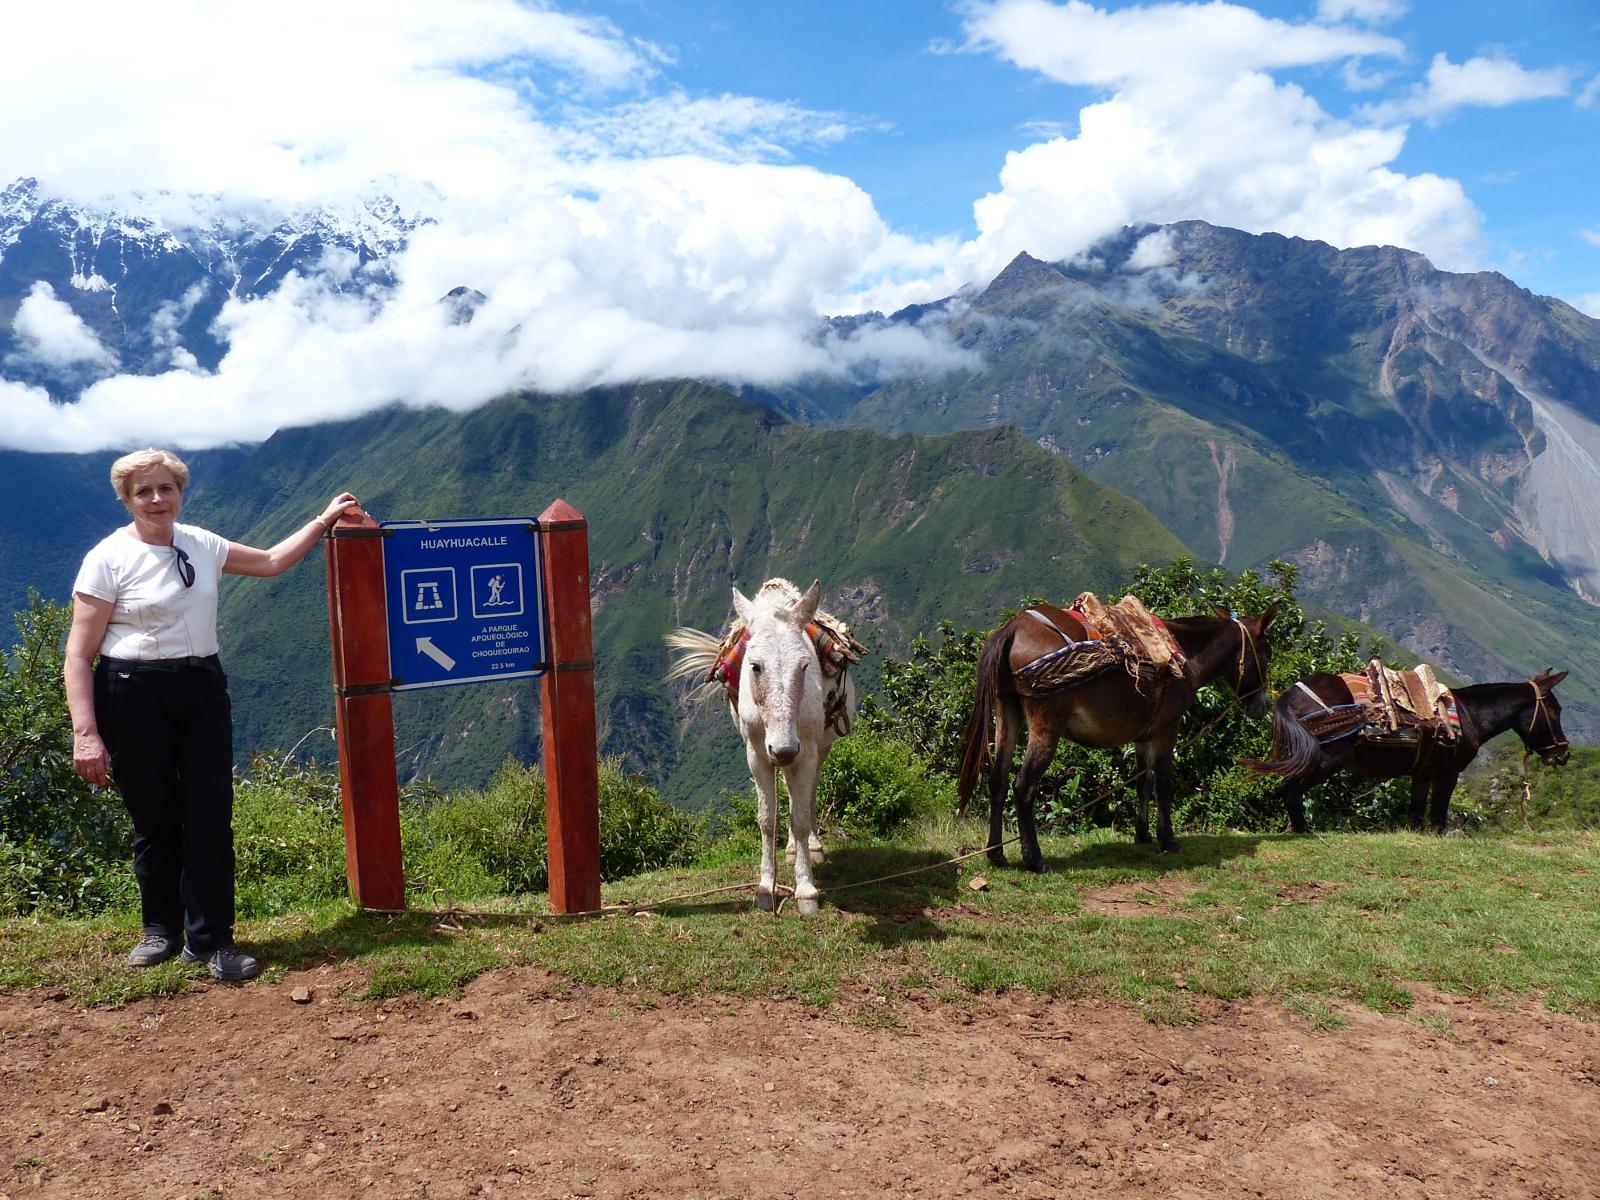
point(1195, 126)
point(733, 128)
point(306, 103)
point(1154, 250)
point(1592, 236)
point(1183, 47)
point(53, 335)
point(1478, 82)
point(1372, 12)
point(1591, 90)
point(1589, 303)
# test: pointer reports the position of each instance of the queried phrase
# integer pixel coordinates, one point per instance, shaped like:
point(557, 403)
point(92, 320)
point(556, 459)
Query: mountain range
point(1424, 444)
point(151, 289)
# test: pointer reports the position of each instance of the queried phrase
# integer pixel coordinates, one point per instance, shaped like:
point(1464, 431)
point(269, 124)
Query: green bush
point(477, 843)
point(288, 837)
point(64, 846)
point(638, 830)
point(500, 832)
point(872, 784)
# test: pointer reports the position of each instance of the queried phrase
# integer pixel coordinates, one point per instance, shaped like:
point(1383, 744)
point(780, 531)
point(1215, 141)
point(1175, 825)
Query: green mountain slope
point(687, 490)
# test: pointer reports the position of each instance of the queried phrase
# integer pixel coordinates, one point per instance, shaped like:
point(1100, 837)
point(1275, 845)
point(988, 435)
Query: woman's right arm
point(90, 616)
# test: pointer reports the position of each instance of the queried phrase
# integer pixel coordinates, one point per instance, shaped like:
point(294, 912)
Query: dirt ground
point(528, 1086)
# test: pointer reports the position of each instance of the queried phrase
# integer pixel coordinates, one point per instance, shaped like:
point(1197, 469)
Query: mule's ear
point(1218, 610)
point(1272, 611)
point(745, 608)
point(1550, 679)
point(805, 608)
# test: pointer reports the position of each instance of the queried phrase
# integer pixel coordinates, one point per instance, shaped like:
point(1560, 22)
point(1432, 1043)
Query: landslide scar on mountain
point(1224, 463)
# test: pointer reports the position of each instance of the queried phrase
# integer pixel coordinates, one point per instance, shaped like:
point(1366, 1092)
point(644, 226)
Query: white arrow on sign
point(425, 646)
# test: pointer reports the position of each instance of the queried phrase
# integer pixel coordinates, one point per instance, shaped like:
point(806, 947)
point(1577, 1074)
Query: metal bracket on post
point(571, 766)
point(364, 713)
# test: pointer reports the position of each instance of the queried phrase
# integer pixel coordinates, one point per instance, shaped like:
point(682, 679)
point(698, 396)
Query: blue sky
point(665, 188)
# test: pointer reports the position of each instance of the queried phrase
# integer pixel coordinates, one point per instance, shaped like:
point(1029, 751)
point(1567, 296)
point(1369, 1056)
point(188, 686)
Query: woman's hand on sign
point(337, 507)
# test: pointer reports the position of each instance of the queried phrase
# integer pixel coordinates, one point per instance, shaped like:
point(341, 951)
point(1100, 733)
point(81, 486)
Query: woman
point(153, 713)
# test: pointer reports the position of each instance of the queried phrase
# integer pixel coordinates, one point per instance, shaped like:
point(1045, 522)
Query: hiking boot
point(227, 963)
point(153, 950)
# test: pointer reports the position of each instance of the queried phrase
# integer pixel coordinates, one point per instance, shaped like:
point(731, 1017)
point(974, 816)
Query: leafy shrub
point(288, 837)
point(638, 830)
point(872, 784)
point(64, 846)
point(502, 831)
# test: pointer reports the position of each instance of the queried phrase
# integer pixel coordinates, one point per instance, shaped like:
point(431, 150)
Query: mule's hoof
point(764, 901)
point(1037, 865)
point(1142, 837)
point(1171, 847)
point(806, 906)
point(818, 855)
point(997, 858)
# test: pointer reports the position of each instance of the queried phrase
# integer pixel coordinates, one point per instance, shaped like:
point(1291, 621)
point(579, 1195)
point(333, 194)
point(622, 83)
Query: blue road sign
point(465, 601)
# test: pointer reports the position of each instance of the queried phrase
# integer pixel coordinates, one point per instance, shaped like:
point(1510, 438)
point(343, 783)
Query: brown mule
point(1487, 710)
point(1111, 709)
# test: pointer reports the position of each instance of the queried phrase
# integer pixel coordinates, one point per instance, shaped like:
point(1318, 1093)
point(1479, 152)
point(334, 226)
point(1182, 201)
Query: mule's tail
point(1294, 751)
point(698, 653)
point(980, 725)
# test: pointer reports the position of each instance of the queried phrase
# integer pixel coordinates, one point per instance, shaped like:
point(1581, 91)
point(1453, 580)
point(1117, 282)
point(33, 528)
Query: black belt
point(210, 662)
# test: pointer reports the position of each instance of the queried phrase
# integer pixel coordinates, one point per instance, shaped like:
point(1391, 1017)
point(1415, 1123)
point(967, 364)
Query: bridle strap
point(1246, 640)
point(1549, 722)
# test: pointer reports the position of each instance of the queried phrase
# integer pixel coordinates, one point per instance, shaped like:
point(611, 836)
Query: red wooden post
point(364, 713)
point(571, 768)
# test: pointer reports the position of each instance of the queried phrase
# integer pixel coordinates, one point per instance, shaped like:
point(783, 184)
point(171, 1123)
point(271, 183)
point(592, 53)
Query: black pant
point(169, 729)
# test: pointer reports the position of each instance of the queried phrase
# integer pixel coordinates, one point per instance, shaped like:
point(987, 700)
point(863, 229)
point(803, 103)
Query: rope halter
point(1247, 640)
point(1539, 709)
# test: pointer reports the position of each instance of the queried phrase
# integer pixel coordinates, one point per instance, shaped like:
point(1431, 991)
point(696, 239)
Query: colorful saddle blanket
point(1144, 632)
point(1389, 706)
point(1126, 635)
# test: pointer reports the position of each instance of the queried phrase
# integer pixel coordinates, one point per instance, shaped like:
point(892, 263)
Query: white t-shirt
point(153, 615)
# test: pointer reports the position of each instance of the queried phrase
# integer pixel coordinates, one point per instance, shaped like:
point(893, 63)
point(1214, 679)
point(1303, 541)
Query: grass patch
point(1320, 1014)
point(1315, 922)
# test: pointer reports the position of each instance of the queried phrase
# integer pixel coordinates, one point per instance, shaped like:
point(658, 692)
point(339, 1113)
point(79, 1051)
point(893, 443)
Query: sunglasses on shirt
point(185, 567)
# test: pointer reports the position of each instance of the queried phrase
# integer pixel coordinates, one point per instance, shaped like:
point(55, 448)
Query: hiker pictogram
point(497, 590)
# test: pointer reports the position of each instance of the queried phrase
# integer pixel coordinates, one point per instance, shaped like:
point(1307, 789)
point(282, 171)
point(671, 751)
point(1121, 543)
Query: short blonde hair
point(143, 460)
